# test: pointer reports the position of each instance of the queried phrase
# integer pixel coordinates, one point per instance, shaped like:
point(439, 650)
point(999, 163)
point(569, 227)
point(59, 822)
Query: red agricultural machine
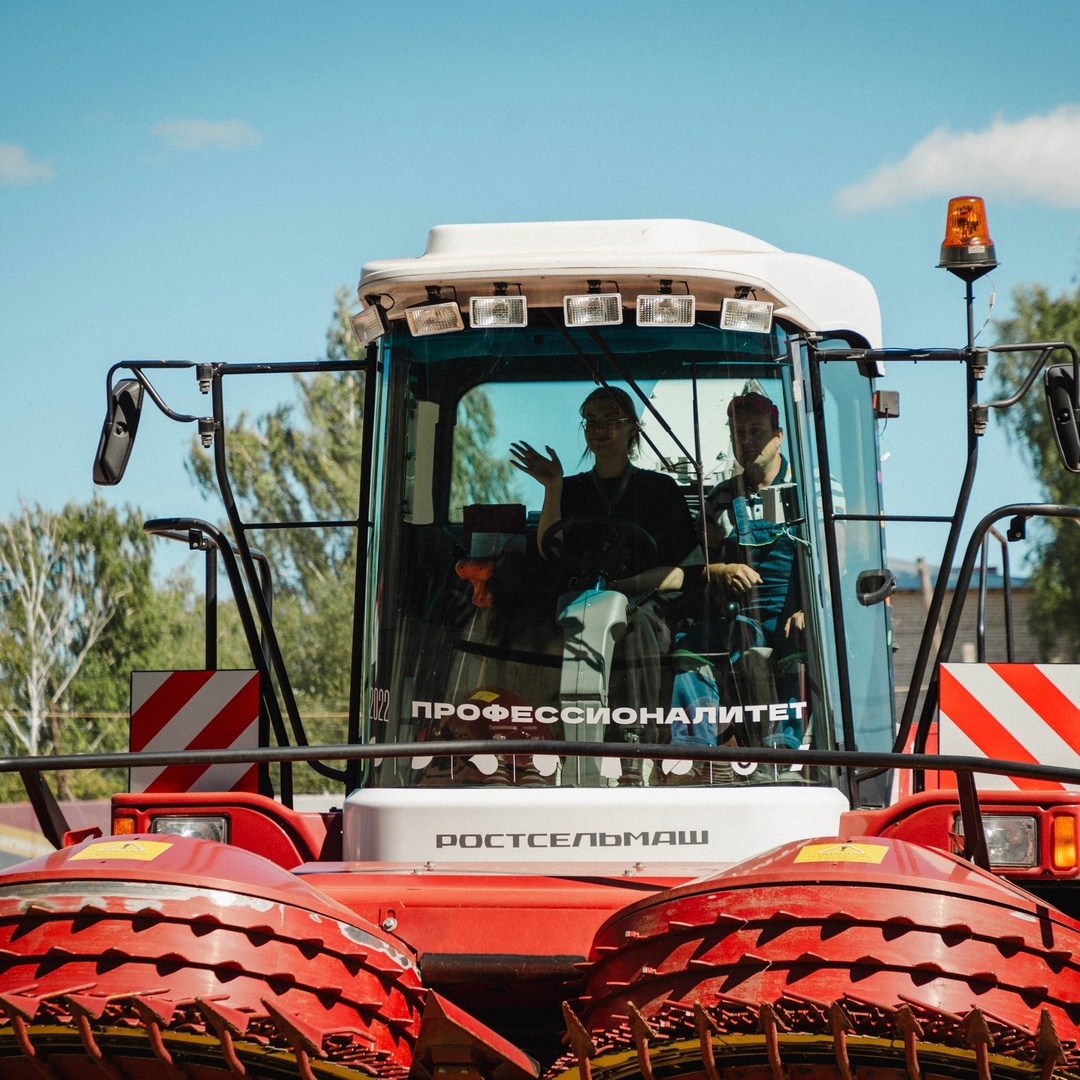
point(609, 808)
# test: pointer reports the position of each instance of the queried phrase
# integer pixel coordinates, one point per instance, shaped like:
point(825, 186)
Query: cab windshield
point(656, 600)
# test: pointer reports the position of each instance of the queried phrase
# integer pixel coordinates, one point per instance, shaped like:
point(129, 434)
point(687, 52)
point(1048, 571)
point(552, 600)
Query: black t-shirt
point(648, 499)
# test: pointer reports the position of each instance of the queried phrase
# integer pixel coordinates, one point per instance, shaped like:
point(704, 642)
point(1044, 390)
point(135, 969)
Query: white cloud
point(197, 134)
point(17, 168)
point(1037, 159)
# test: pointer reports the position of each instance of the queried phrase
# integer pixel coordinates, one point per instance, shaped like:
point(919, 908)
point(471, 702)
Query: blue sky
point(194, 181)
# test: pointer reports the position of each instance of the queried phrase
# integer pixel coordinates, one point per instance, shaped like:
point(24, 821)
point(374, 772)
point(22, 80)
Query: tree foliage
point(75, 610)
point(302, 462)
point(1038, 316)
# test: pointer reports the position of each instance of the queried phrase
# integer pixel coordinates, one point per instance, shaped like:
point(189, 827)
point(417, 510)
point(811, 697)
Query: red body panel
point(484, 914)
point(284, 836)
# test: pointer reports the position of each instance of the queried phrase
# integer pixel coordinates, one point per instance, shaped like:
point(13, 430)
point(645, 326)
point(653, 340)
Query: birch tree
point(74, 591)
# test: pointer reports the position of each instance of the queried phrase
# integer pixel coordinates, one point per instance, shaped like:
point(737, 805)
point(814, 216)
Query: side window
point(853, 460)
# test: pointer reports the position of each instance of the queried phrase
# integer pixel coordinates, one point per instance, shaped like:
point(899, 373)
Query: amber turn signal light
point(1063, 842)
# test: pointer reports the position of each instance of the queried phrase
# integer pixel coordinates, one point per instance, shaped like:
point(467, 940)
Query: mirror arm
point(136, 369)
point(1048, 349)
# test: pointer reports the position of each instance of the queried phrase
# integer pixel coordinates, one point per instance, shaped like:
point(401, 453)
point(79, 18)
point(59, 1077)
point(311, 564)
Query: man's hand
point(795, 629)
point(736, 578)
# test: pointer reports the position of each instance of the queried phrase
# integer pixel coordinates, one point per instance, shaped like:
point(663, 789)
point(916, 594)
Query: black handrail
point(765, 755)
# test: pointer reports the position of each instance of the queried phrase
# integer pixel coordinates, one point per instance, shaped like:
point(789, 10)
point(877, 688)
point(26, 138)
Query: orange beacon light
point(967, 249)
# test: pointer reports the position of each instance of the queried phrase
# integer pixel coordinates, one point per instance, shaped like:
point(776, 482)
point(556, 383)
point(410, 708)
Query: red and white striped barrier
point(1019, 712)
point(194, 710)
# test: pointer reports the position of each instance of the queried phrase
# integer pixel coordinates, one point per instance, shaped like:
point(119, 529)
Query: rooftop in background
point(907, 575)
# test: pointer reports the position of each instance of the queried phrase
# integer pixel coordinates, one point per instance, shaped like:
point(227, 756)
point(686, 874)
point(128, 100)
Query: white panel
point(712, 826)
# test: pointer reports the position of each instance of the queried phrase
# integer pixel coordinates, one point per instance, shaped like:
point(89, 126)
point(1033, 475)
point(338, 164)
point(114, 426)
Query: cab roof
point(552, 258)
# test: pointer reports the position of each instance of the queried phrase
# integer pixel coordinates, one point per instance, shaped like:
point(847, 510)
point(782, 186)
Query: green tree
point(303, 462)
point(1038, 316)
point(75, 591)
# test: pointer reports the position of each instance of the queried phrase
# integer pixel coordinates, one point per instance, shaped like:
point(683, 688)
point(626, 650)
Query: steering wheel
point(594, 547)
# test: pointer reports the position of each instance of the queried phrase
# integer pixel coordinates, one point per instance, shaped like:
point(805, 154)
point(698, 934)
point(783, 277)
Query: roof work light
point(665, 309)
point(434, 315)
point(368, 325)
point(593, 309)
point(750, 316)
point(499, 310)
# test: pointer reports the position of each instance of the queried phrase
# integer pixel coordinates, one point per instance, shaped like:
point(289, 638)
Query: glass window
point(615, 631)
point(856, 476)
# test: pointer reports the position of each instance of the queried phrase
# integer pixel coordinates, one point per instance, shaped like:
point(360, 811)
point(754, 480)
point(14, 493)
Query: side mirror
point(1060, 391)
point(118, 432)
point(874, 586)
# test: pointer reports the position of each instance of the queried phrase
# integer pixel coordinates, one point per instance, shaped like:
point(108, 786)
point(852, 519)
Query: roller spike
point(770, 1024)
point(955, 933)
point(153, 1010)
point(383, 963)
point(910, 1030)
point(58, 951)
point(85, 1005)
point(840, 1024)
point(643, 1035)
point(682, 924)
point(581, 1044)
point(930, 1010)
point(1048, 1048)
point(730, 922)
point(897, 926)
point(304, 1039)
point(976, 1034)
point(29, 1051)
point(19, 1005)
point(1057, 958)
point(706, 1029)
point(803, 999)
point(216, 1015)
point(153, 1023)
point(225, 1023)
point(93, 1051)
point(926, 971)
point(58, 995)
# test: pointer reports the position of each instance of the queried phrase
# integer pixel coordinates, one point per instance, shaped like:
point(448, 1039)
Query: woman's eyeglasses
point(607, 423)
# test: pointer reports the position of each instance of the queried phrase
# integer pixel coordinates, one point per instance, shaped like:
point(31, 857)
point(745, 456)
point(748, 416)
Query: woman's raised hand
point(545, 470)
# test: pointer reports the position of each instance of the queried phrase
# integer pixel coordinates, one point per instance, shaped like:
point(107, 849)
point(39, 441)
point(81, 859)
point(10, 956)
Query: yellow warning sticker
point(872, 853)
point(123, 849)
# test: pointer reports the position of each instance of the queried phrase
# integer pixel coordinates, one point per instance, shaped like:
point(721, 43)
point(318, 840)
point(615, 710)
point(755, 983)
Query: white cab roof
point(550, 259)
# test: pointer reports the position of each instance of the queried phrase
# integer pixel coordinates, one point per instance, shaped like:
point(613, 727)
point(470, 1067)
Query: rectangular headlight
point(200, 826)
point(426, 319)
point(593, 309)
point(497, 311)
point(752, 316)
point(1012, 840)
point(367, 325)
point(665, 310)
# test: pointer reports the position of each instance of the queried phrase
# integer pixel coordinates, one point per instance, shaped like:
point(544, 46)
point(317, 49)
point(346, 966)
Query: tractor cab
point(489, 617)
